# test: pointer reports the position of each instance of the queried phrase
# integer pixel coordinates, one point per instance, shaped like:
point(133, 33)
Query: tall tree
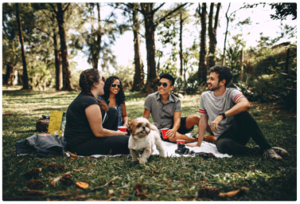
point(212, 32)
point(138, 80)
point(181, 21)
point(148, 11)
point(59, 14)
point(202, 69)
point(25, 75)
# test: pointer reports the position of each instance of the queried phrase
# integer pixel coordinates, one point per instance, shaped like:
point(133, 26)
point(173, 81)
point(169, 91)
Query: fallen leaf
point(79, 169)
point(33, 172)
point(37, 193)
point(53, 166)
point(54, 181)
point(82, 185)
point(37, 184)
point(208, 191)
point(230, 193)
point(110, 192)
point(67, 178)
point(139, 189)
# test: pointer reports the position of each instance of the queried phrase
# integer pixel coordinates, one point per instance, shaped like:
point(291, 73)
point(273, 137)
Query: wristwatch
point(223, 114)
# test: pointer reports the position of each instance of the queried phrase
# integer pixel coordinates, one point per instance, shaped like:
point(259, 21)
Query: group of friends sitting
point(95, 114)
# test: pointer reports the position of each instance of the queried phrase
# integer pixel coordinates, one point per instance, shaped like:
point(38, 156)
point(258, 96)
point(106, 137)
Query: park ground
point(161, 179)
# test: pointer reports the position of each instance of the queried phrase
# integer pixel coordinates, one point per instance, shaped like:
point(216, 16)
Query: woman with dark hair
point(87, 132)
point(114, 97)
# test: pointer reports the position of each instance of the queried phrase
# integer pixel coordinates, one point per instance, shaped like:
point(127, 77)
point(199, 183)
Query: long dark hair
point(120, 97)
point(87, 78)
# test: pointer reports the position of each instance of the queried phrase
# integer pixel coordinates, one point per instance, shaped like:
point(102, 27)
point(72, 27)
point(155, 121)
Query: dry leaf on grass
point(208, 191)
point(110, 192)
point(234, 193)
point(35, 184)
point(79, 169)
point(82, 185)
point(53, 166)
point(35, 172)
point(54, 181)
point(36, 193)
point(67, 179)
point(139, 189)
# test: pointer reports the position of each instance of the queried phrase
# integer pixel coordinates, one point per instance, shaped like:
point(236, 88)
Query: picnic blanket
point(170, 148)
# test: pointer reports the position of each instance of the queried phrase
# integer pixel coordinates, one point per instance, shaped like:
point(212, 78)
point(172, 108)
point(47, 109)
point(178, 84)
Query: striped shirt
point(212, 106)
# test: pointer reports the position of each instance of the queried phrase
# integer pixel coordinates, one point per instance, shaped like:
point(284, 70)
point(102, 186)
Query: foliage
point(125, 74)
point(267, 79)
point(165, 179)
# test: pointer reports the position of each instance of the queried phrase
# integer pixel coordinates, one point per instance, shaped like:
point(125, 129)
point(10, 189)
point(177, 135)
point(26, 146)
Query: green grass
point(166, 179)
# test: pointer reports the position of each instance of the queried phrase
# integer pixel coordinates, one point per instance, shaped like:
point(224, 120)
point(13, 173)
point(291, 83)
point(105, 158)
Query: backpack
point(41, 145)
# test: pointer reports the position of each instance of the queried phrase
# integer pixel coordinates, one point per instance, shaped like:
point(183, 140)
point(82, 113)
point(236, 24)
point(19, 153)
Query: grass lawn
point(161, 179)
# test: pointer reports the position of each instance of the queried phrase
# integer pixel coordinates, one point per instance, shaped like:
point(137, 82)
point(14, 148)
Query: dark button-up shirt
point(162, 114)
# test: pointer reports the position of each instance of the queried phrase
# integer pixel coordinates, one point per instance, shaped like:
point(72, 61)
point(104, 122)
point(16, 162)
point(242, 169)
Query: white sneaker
point(280, 151)
point(271, 153)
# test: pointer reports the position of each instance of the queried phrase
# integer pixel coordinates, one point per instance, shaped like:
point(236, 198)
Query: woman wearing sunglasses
point(114, 97)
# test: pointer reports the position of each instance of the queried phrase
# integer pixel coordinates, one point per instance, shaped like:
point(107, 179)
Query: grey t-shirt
point(212, 106)
point(162, 114)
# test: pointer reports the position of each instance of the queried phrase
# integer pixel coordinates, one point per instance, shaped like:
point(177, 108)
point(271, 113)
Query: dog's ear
point(129, 128)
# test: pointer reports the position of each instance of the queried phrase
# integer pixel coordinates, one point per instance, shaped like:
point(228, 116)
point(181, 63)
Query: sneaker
point(271, 153)
point(280, 151)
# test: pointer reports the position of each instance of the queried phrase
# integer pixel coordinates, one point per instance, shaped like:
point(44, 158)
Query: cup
point(122, 128)
point(164, 133)
point(180, 141)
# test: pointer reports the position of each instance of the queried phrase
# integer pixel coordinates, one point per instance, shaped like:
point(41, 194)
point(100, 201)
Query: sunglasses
point(164, 84)
point(114, 85)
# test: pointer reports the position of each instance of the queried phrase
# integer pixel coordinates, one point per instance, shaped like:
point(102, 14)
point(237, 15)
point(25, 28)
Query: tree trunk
point(224, 48)
point(152, 76)
point(67, 85)
point(58, 67)
point(99, 38)
point(25, 75)
point(213, 33)
point(138, 81)
point(202, 70)
point(180, 44)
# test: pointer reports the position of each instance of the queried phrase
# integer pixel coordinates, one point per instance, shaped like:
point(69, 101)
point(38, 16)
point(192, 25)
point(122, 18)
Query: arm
point(94, 117)
point(203, 122)
point(124, 115)
point(176, 125)
point(242, 105)
point(146, 113)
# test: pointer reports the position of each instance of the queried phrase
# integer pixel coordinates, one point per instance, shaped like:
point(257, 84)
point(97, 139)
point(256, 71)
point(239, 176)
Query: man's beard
point(214, 88)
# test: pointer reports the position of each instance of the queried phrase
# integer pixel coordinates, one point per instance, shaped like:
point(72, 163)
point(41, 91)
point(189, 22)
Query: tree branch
point(66, 7)
point(52, 5)
point(164, 18)
point(154, 10)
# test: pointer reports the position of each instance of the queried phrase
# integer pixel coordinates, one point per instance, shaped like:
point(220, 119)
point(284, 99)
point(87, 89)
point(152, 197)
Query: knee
point(223, 145)
point(193, 119)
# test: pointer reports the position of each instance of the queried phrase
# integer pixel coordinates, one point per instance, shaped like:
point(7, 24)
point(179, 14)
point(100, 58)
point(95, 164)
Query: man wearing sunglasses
point(165, 109)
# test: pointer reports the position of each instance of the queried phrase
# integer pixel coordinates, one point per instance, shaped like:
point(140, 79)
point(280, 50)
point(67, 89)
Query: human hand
point(171, 133)
point(214, 125)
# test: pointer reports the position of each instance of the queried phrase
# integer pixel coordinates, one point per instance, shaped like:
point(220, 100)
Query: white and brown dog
point(143, 137)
